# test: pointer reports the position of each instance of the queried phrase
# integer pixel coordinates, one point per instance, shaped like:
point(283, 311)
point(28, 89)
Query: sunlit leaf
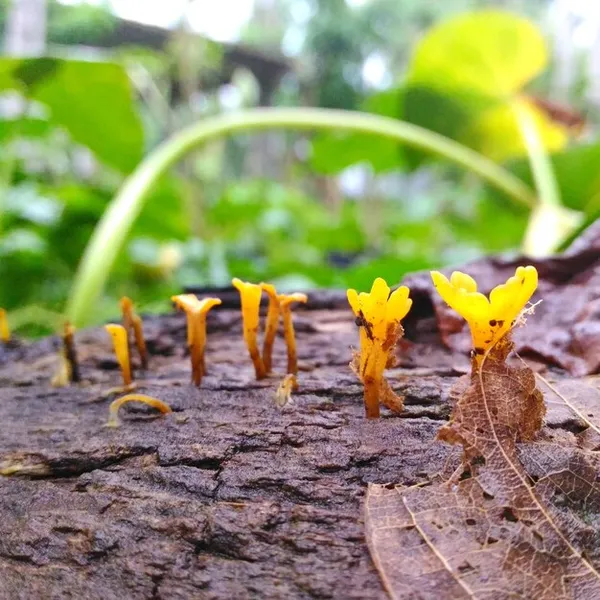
point(491, 52)
point(92, 100)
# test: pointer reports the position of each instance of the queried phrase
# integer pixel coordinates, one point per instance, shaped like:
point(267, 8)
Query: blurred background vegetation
point(90, 88)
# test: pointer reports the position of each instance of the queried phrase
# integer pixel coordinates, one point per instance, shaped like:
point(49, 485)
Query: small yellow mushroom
point(133, 322)
point(271, 326)
point(196, 311)
point(285, 303)
point(4, 329)
point(118, 334)
point(250, 294)
point(378, 315)
point(489, 320)
point(113, 410)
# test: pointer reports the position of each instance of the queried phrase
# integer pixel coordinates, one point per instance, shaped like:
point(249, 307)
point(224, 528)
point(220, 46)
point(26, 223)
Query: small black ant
point(360, 321)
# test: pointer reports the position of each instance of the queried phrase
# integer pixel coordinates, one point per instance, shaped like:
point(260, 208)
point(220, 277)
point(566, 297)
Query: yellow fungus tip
point(491, 318)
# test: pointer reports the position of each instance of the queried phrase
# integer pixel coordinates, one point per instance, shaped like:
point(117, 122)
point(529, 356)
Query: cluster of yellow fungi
point(379, 313)
point(280, 306)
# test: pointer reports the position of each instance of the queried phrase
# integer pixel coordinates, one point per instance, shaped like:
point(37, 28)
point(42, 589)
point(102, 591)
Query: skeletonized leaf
point(492, 528)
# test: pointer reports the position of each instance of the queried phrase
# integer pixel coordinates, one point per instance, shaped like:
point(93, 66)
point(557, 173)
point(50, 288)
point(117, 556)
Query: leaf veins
point(493, 530)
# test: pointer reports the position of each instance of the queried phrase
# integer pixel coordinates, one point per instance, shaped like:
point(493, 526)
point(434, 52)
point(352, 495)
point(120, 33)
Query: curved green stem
point(116, 222)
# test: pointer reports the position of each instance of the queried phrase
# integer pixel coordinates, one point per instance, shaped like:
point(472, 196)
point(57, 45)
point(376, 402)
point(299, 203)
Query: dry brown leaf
point(493, 530)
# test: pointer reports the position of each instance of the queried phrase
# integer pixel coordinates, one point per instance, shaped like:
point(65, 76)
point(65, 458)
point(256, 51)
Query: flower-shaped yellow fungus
point(378, 315)
point(489, 320)
point(4, 329)
point(285, 303)
point(132, 321)
point(250, 294)
point(118, 333)
point(196, 311)
point(113, 410)
point(271, 325)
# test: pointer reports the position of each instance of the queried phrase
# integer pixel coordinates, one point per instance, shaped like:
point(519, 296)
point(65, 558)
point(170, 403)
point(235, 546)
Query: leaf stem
point(111, 232)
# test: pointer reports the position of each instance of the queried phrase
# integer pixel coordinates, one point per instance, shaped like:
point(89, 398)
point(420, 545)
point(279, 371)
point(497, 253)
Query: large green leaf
point(92, 100)
point(488, 52)
point(467, 74)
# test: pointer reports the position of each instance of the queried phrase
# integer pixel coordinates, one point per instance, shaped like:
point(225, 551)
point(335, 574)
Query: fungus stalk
point(133, 322)
point(68, 371)
point(378, 315)
point(250, 298)
point(118, 333)
point(491, 319)
point(113, 410)
point(4, 329)
point(285, 302)
point(196, 312)
point(271, 326)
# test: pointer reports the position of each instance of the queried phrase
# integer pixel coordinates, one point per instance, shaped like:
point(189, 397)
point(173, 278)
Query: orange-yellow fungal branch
point(118, 333)
point(489, 319)
point(378, 315)
point(196, 312)
point(113, 410)
point(285, 303)
point(271, 326)
point(4, 329)
point(133, 322)
point(250, 294)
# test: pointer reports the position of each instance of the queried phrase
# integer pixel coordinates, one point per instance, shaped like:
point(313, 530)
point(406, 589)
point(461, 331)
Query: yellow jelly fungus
point(113, 410)
point(118, 333)
point(378, 315)
point(285, 303)
point(489, 320)
point(196, 311)
point(273, 314)
point(250, 294)
point(133, 322)
point(4, 329)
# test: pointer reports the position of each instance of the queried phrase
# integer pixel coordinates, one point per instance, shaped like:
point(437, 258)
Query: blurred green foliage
point(75, 129)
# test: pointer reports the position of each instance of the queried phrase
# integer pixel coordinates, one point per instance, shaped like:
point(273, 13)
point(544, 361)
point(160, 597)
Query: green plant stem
point(541, 165)
point(112, 230)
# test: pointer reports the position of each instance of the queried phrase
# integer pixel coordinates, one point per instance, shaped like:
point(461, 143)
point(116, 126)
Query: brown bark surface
point(232, 497)
point(228, 497)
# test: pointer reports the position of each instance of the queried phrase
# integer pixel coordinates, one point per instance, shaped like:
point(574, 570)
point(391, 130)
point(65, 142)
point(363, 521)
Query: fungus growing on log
point(489, 319)
point(113, 410)
point(196, 311)
point(118, 333)
point(250, 294)
point(378, 315)
point(133, 322)
point(271, 325)
point(285, 303)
